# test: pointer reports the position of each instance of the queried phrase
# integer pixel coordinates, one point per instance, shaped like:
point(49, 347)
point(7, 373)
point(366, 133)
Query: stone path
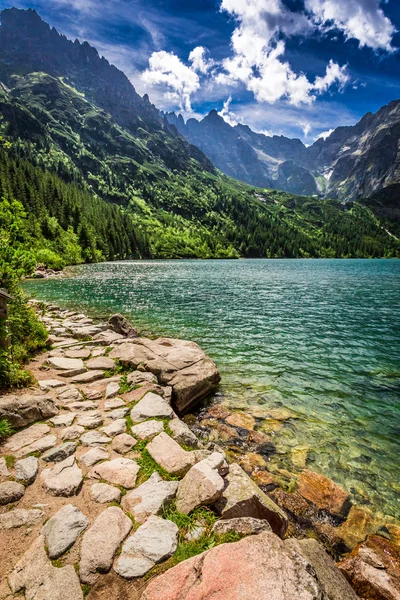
point(83, 492)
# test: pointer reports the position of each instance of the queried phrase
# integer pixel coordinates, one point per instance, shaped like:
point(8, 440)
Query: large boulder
point(21, 411)
point(259, 567)
point(177, 363)
point(169, 455)
point(150, 498)
point(243, 498)
point(64, 479)
point(201, 485)
point(119, 324)
point(373, 569)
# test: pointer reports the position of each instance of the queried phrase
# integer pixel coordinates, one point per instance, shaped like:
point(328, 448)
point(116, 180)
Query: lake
point(319, 337)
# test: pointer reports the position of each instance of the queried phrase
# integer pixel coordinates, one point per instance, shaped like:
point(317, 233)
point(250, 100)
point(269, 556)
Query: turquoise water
point(320, 337)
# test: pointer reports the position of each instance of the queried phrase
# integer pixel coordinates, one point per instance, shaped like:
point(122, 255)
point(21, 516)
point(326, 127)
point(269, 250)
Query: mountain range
point(352, 162)
point(101, 173)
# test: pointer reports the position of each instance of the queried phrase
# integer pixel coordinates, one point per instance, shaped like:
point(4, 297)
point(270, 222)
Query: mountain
point(101, 174)
point(353, 162)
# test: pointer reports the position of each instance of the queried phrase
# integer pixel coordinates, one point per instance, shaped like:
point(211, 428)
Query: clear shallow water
point(320, 337)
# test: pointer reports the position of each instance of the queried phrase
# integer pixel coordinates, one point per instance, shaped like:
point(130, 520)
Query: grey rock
point(64, 479)
point(169, 455)
point(106, 338)
point(11, 491)
point(119, 471)
point(241, 525)
point(243, 498)
point(152, 405)
point(104, 493)
point(119, 324)
point(101, 363)
point(114, 403)
point(123, 443)
point(21, 411)
point(63, 529)
point(26, 470)
point(150, 498)
point(118, 413)
point(182, 434)
point(148, 429)
point(84, 405)
point(94, 438)
point(73, 372)
point(71, 433)
point(45, 443)
point(63, 420)
point(115, 428)
point(70, 394)
point(20, 517)
point(50, 384)
point(100, 543)
point(4, 472)
point(90, 420)
point(155, 540)
point(202, 485)
point(93, 456)
point(138, 378)
point(112, 389)
point(60, 453)
point(35, 574)
point(66, 364)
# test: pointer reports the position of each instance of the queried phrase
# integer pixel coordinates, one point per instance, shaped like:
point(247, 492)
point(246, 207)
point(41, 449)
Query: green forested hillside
point(94, 190)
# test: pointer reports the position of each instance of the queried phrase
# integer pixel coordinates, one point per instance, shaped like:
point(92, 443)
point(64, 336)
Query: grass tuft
point(5, 429)
point(10, 461)
point(148, 466)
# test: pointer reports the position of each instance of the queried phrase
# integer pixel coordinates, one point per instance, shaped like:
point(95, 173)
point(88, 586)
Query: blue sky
point(291, 67)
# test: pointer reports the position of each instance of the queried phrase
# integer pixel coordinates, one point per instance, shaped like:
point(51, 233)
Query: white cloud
point(199, 60)
point(166, 69)
point(227, 114)
point(324, 135)
point(306, 127)
point(334, 75)
point(363, 20)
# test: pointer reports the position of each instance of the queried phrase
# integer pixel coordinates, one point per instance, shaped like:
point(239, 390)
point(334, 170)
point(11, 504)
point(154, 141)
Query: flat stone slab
point(65, 364)
point(100, 543)
point(123, 443)
point(139, 378)
point(83, 405)
point(94, 438)
point(118, 413)
point(70, 394)
point(152, 405)
point(106, 338)
point(71, 433)
point(50, 384)
point(26, 470)
point(104, 493)
point(45, 443)
point(88, 377)
point(202, 485)
point(169, 455)
point(101, 363)
point(259, 567)
point(35, 574)
point(115, 428)
point(114, 403)
point(154, 541)
point(4, 472)
point(243, 498)
point(241, 525)
point(93, 456)
point(150, 498)
point(20, 517)
point(90, 420)
point(59, 453)
point(63, 420)
point(82, 353)
point(119, 471)
point(63, 529)
point(112, 389)
point(64, 479)
point(11, 491)
point(26, 437)
point(148, 429)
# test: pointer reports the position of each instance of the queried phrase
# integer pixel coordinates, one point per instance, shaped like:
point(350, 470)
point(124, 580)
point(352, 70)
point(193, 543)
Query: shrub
point(49, 259)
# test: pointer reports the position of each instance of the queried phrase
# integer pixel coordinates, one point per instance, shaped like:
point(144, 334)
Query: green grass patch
point(5, 429)
point(148, 466)
point(10, 461)
point(85, 588)
point(57, 563)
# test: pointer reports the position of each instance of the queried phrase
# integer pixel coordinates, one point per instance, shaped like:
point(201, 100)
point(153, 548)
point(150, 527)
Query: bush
point(49, 259)
point(5, 429)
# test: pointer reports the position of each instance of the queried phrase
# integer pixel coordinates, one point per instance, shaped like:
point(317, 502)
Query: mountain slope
point(97, 185)
point(353, 162)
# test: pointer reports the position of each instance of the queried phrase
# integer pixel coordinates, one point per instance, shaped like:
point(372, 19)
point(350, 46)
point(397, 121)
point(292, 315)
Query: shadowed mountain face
point(353, 162)
point(28, 45)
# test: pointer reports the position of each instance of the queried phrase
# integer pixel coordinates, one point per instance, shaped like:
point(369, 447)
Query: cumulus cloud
point(199, 60)
point(166, 69)
point(363, 20)
point(228, 115)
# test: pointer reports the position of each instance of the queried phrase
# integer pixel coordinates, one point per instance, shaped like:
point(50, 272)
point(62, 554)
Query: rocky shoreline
point(110, 489)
